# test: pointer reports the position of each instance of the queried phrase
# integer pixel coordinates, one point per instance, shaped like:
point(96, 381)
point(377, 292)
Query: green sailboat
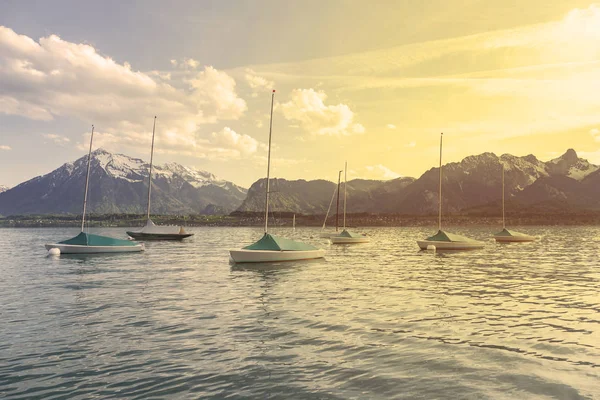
point(347, 237)
point(272, 248)
point(86, 243)
point(444, 240)
point(506, 236)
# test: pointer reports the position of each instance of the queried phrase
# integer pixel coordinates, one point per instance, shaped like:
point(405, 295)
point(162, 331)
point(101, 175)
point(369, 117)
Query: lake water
point(371, 321)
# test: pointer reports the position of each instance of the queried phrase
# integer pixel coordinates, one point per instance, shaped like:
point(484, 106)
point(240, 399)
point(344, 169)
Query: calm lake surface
point(371, 321)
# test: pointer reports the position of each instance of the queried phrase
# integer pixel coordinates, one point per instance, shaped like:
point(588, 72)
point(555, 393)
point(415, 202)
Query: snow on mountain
point(118, 184)
point(3, 188)
point(528, 168)
point(136, 170)
point(569, 164)
point(196, 178)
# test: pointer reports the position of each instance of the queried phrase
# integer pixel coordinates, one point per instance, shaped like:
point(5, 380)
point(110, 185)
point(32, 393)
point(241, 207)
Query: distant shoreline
point(281, 219)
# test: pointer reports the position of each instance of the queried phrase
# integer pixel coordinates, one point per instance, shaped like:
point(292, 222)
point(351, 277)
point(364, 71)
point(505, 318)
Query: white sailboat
point(337, 209)
point(506, 236)
point(445, 240)
point(272, 248)
point(86, 243)
point(151, 231)
point(347, 237)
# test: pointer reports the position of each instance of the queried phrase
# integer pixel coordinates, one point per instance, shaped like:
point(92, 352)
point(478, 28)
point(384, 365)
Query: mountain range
point(564, 182)
point(118, 184)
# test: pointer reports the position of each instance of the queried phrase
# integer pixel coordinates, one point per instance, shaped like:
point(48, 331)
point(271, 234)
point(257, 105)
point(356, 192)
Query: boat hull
point(79, 249)
point(252, 256)
point(423, 244)
point(348, 240)
point(159, 236)
point(514, 239)
point(328, 235)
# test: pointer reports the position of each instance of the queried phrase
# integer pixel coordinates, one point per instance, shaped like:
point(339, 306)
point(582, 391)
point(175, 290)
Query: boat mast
point(329, 209)
point(345, 184)
point(503, 223)
point(440, 194)
point(150, 173)
point(337, 207)
point(269, 166)
point(87, 179)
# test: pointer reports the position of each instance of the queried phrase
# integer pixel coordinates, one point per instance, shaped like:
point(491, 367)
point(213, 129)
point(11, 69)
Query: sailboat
point(337, 209)
point(151, 231)
point(86, 243)
point(272, 248)
point(347, 237)
point(445, 240)
point(506, 236)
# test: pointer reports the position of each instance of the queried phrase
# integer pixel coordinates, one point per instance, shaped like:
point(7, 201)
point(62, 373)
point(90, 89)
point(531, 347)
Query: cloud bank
point(308, 108)
point(50, 78)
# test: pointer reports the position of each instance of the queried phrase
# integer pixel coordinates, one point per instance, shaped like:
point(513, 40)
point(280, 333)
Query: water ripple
point(379, 320)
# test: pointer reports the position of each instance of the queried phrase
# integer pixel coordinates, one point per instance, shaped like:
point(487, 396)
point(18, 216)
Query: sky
point(373, 83)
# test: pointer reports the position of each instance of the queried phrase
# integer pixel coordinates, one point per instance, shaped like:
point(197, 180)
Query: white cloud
point(24, 108)
point(595, 134)
point(58, 139)
point(52, 77)
point(411, 144)
point(227, 140)
point(225, 144)
point(308, 108)
point(190, 62)
point(215, 92)
point(185, 63)
point(380, 171)
point(5, 147)
point(390, 126)
point(162, 75)
point(258, 82)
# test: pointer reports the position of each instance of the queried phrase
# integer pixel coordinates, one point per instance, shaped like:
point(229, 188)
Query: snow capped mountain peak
point(133, 169)
point(569, 164)
point(479, 159)
point(3, 188)
point(118, 183)
point(570, 157)
point(194, 177)
point(121, 166)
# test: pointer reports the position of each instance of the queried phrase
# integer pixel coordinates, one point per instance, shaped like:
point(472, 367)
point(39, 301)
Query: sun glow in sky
point(373, 84)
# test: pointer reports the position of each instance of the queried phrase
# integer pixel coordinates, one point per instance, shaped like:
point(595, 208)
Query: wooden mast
point(150, 173)
point(269, 166)
point(345, 184)
point(87, 179)
point(440, 193)
point(337, 207)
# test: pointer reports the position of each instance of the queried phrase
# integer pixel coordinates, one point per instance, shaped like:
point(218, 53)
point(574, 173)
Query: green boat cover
point(506, 232)
point(442, 236)
point(86, 239)
point(274, 243)
point(347, 234)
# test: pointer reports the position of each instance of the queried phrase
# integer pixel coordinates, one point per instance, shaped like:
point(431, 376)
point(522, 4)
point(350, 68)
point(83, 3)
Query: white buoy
point(431, 247)
point(54, 251)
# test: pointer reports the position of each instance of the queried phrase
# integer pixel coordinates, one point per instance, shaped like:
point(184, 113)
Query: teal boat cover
point(347, 234)
point(275, 243)
point(506, 232)
point(86, 239)
point(442, 236)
